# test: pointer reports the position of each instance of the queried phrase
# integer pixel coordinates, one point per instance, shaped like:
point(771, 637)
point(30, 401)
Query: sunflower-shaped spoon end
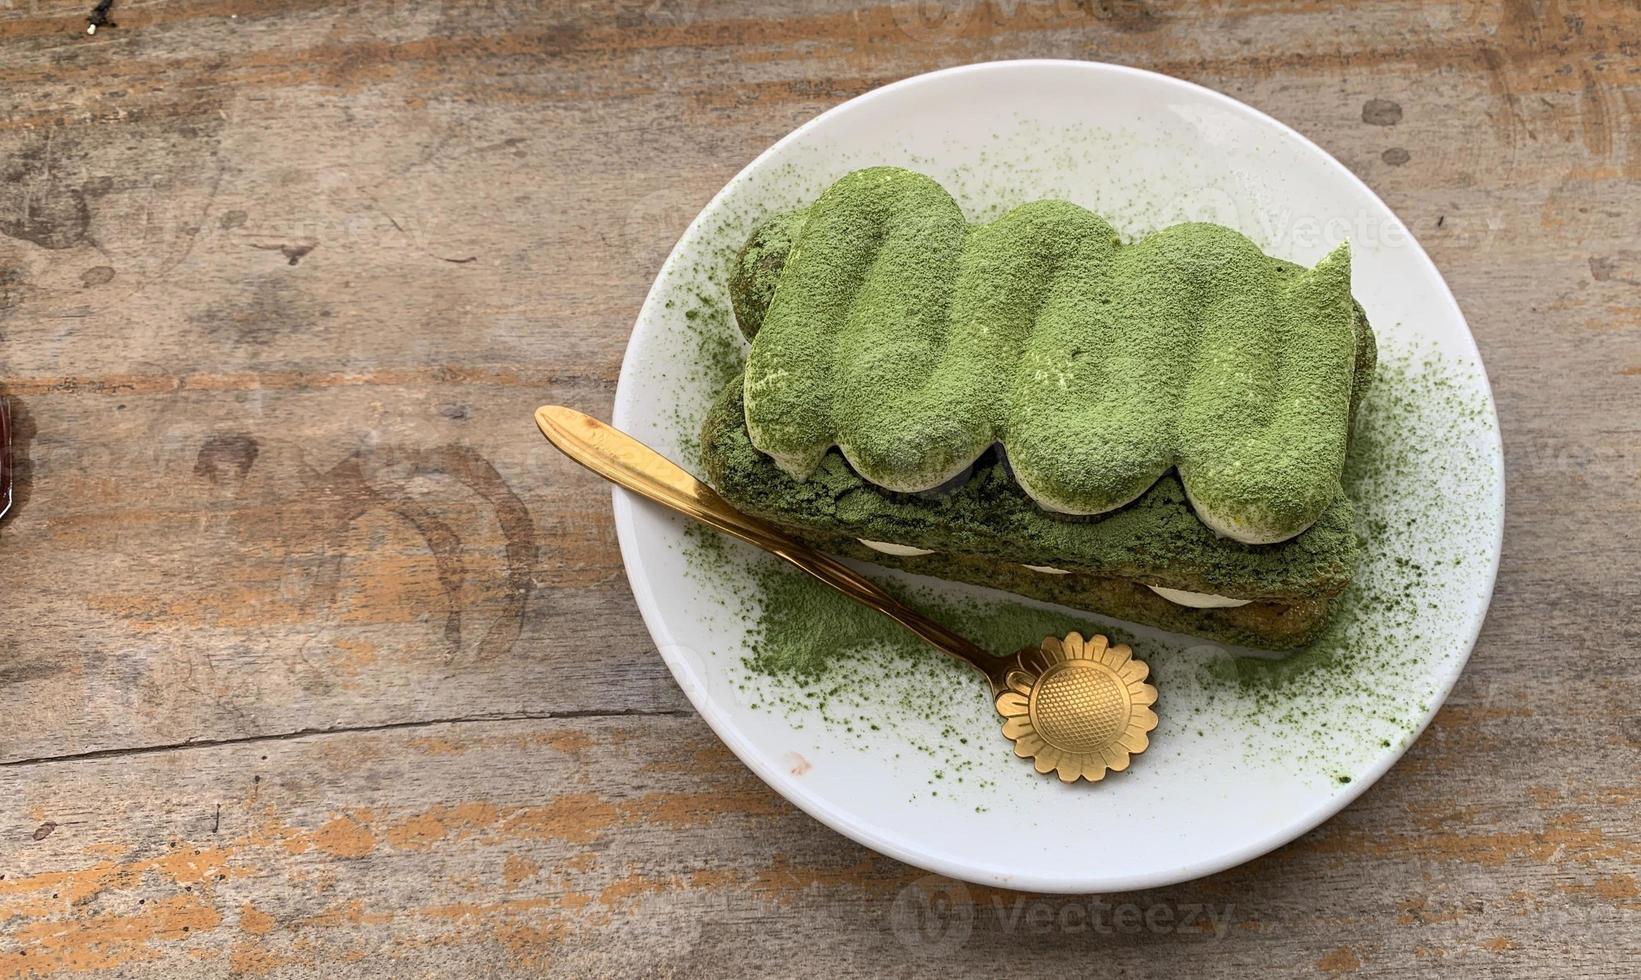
point(1078, 708)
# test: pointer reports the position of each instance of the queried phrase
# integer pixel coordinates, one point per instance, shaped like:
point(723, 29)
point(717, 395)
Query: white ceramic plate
point(1231, 773)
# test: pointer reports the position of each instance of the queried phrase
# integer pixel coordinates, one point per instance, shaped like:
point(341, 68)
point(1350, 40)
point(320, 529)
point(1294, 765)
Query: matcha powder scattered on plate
point(1418, 470)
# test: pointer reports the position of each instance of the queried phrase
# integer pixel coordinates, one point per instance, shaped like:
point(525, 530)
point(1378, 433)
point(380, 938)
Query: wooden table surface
point(315, 661)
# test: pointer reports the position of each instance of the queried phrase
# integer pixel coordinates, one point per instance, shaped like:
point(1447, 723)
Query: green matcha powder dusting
point(916, 341)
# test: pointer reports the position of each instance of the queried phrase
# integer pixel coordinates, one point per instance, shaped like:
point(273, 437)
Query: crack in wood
point(302, 733)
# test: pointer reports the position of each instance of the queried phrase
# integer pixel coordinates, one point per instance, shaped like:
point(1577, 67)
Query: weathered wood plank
point(626, 846)
point(180, 228)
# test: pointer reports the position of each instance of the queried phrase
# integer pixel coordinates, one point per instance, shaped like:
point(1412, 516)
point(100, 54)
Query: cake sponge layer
point(1264, 625)
point(1155, 540)
point(888, 327)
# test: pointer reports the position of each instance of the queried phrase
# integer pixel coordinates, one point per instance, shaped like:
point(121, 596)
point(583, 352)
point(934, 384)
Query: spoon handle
point(626, 462)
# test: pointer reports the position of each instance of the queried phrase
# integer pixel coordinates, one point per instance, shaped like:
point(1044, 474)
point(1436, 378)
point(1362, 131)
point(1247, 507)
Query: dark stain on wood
point(17, 666)
point(379, 478)
point(11, 290)
point(294, 253)
point(232, 451)
point(38, 203)
point(97, 275)
point(259, 312)
point(1137, 16)
point(1381, 112)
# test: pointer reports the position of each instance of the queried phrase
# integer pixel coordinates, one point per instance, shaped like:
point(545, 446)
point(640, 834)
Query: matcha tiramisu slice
point(1154, 431)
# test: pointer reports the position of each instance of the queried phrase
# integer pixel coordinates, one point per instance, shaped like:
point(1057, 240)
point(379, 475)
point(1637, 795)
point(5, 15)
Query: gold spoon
point(1075, 707)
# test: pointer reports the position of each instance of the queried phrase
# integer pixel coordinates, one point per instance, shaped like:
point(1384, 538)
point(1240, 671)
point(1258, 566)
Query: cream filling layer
point(1198, 600)
point(898, 550)
point(1193, 600)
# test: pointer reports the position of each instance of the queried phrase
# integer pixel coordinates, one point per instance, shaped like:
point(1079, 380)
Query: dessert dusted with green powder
point(988, 532)
point(1155, 430)
point(885, 325)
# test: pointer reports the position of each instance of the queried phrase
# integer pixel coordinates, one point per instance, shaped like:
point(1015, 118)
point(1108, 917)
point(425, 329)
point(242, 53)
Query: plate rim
point(860, 830)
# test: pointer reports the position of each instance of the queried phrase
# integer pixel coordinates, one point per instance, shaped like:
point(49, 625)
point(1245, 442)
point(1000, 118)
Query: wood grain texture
point(294, 674)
